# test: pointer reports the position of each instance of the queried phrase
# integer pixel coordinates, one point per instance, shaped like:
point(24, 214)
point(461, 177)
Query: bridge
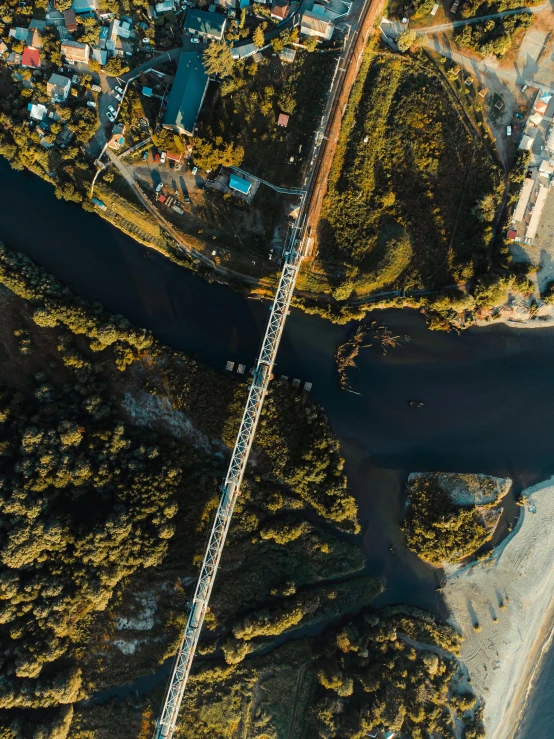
point(231, 486)
point(295, 249)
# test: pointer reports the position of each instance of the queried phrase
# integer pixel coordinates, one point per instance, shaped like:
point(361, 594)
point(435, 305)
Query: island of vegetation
point(112, 446)
point(450, 516)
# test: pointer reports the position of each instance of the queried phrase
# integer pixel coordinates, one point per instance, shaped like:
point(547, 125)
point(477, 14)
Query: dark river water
point(488, 394)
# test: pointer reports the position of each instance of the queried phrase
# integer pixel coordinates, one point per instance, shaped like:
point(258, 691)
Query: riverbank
point(503, 608)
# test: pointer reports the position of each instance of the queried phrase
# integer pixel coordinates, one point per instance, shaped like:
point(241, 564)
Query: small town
point(276, 336)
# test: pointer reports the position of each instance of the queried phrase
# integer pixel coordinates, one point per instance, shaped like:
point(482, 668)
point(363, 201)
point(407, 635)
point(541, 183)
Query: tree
point(406, 40)
point(208, 155)
point(310, 44)
point(218, 59)
point(258, 38)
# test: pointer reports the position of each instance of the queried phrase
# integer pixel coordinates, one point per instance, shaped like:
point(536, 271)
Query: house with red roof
point(30, 58)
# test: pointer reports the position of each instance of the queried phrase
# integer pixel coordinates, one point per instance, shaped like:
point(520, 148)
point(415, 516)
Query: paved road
point(455, 24)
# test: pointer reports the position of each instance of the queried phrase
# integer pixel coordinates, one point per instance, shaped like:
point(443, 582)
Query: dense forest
point(112, 447)
point(443, 527)
point(412, 208)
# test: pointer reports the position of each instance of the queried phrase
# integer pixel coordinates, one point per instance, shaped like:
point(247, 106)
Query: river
point(488, 394)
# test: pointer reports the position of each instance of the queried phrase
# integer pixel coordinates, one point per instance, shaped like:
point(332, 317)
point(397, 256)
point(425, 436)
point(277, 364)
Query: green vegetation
point(244, 114)
point(388, 670)
point(412, 191)
point(495, 36)
point(436, 528)
point(91, 498)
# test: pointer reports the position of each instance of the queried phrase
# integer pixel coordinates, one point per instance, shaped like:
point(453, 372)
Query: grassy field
point(413, 191)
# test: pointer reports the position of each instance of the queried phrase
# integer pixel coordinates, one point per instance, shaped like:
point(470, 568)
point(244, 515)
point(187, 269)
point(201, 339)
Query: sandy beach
point(504, 608)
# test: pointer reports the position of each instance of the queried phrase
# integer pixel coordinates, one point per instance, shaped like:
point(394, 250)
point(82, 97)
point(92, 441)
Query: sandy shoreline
point(504, 608)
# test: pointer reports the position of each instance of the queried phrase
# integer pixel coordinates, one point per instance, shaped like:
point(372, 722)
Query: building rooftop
point(209, 24)
point(30, 57)
point(316, 22)
point(83, 6)
point(287, 55)
point(187, 94)
point(283, 120)
point(70, 20)
point(240, 184)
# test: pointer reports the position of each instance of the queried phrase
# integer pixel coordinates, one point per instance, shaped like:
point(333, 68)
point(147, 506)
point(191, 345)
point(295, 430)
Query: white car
point(508, 130)
point(118, 90)
point(91, 104)
point(113, 111)
point(162, 157)
point(194, 170)
point(159, 186)
point(110, 117)
point(195, 40)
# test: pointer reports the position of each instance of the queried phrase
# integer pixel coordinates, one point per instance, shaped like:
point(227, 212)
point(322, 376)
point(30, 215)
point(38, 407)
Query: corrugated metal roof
point(210, 24)
point(187, 94)
point(316, 23)
point(240, 184)
point(537, 212)
point(523, 200)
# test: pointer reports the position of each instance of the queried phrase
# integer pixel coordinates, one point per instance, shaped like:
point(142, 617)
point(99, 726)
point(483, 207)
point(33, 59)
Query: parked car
point(524, 88)
point(159, 186)
point(508, 130)
point(144, 156)
point(518, 115)
point(194, 170)
point(112, 110)
point(117, 96)
point(162, 157)
point(186, 197)
point(157, 156)
point(91, 104)
point(96, 88)
point(195, 40)
point(110, 117)
point(118, 89)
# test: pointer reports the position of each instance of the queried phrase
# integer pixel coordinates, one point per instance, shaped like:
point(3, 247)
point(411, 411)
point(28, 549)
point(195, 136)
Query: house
point(13, 59)
point(55, 18)
point(168, 6)
point(36, 112)
point(75, 52)
point(240, 184)
point(65, 137)
point(541, 107)
point(99, 55)
point(19, 34)
point(34, 38)
point(30, 58)
point(39, 25)
point(205, 25)
point(226, 4)
point(244, 51)
point(187, 94)
point(118, 137)
point(58, 88)
point(280, 10)
point(288, 55)
point(3, 48)
point(84, 6)
point(283, 120)
point(316, 24)
point(70, 20)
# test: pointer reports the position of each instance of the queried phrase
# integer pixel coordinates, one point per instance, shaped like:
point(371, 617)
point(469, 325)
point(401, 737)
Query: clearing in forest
point(413, 191)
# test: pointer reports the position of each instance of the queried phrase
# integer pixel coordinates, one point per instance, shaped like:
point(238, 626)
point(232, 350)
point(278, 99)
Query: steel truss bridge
point(230, 489)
